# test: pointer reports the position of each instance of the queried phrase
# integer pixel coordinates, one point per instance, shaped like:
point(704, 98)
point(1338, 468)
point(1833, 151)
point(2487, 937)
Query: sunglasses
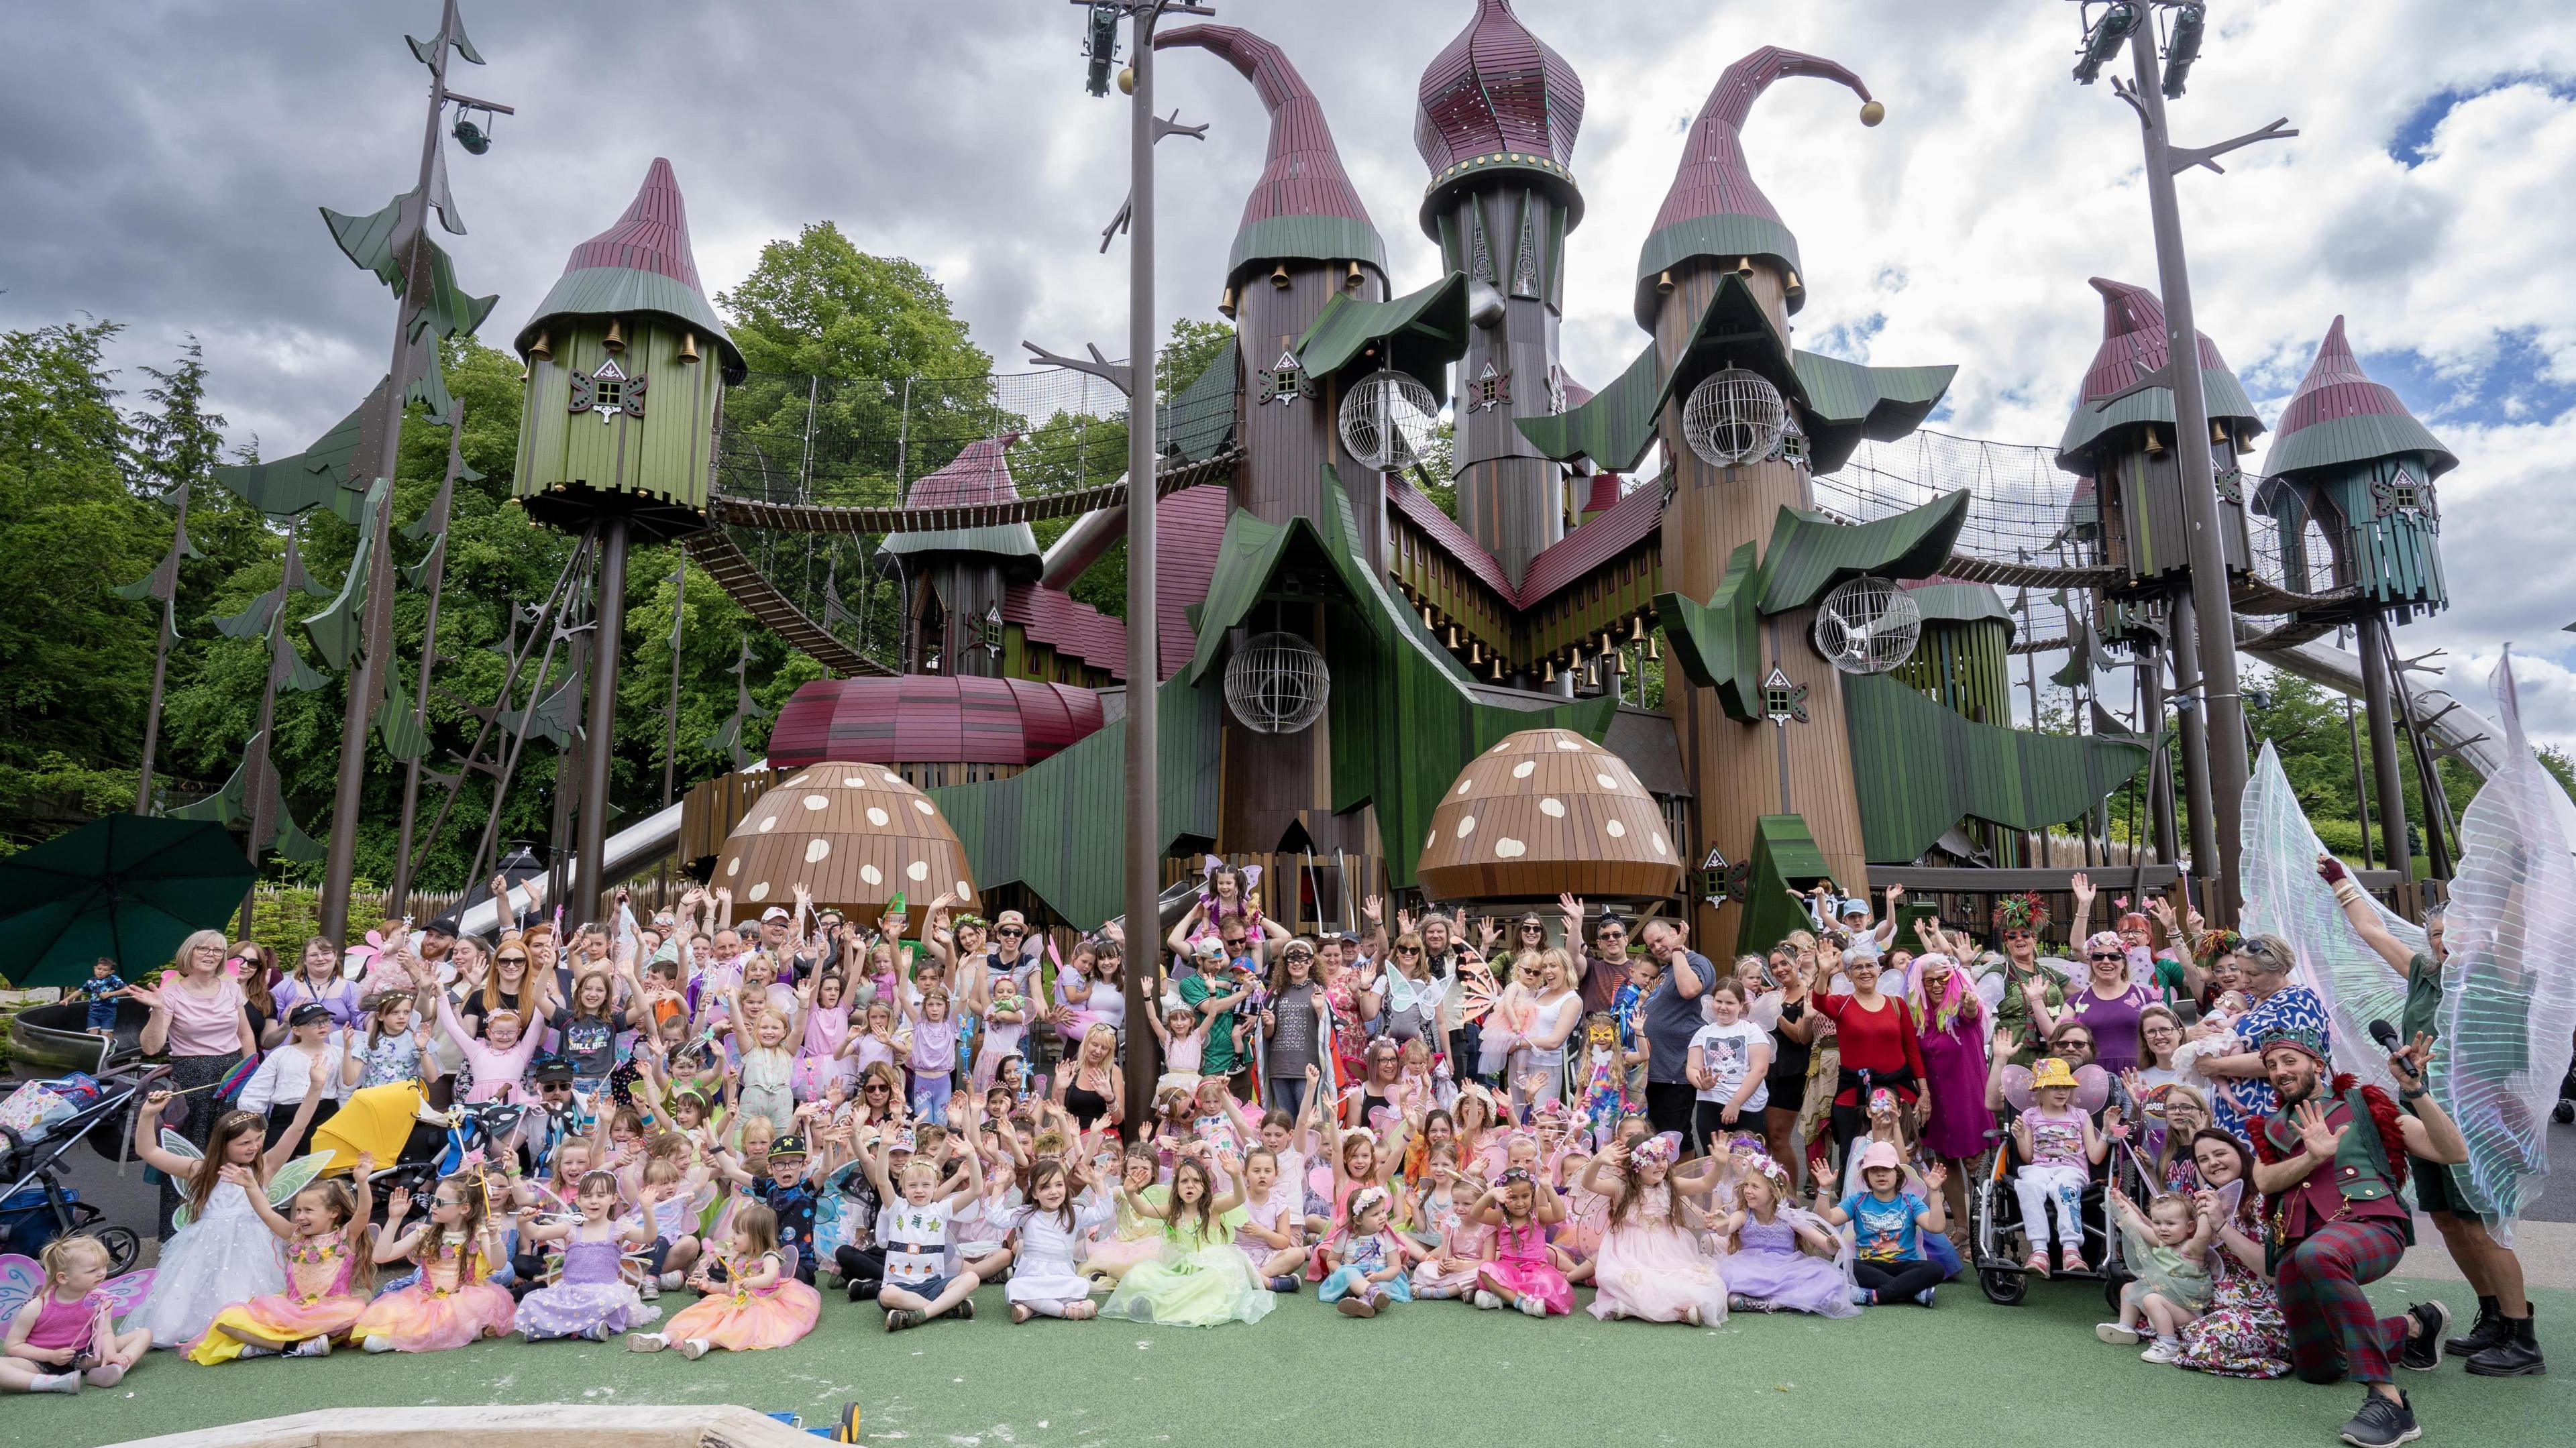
point(876, 1086)
point(2080, 1042)
point(513, 959)
point(2106, 955)
point(1408, 950)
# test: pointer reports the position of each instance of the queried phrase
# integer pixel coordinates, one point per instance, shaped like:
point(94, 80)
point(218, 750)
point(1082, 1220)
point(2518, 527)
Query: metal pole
point(671, 713)
point(2369, 633)
point(2216, 666)
point(263, 821)
point(366, 673)
point(161, 633)
point(609, 631)
point(2151, 715)
point(438, 515)
point(2360, 788)
point(1144, 670)
point(2196, 728)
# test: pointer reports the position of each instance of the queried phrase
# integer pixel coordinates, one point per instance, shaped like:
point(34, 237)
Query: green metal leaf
point(1811, 554)
point(293, 485)
point(253, 621)
point(1719, 643)
point(403, 736)
point(368, 241)
point(417, 574)
point(337, 630)
point(301, 677)
point(140, 588)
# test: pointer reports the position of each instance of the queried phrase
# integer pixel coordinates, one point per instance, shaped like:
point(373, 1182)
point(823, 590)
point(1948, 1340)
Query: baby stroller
point(36, 1207)
point(1995, 1215)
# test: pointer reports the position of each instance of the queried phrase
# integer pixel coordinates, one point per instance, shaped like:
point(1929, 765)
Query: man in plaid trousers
point(2330, 1164)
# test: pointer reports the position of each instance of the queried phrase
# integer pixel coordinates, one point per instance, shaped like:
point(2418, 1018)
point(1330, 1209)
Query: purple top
point(2114, 1023)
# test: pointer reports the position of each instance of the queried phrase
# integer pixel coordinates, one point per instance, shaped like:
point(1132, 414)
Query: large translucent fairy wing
point(126, 1293)
point(2092, 1089)
point(2284, 896)
point(20, 1280)
point(1990, 989)
point(180, 1146)
point(2016, 1085)
point(294, 1177)
point(2510, 1000)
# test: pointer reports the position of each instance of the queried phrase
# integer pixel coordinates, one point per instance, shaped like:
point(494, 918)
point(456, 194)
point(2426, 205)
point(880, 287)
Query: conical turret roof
point(981, 473)
point(2339, 416)
point(1713, 208)
point(641, 264)
point(2133, 345)
point(1498, 98)
point(1304, 206)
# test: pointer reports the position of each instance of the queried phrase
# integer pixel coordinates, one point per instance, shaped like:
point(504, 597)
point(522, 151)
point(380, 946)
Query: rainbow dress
point(451, 1303)
point(317, 1302)
point(741, 1318)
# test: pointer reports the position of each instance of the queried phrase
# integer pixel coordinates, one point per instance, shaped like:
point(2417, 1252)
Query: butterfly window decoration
point(608, 392)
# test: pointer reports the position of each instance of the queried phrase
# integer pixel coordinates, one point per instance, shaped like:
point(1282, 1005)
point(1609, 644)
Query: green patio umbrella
point(129, 887)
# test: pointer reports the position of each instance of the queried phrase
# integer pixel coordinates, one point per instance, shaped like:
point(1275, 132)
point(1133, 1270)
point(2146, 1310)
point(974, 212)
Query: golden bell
point(1225, 304)
point(1793, 280)
point(1475, 651)
point(1354, 279)
point(1426, 617)
point(615, 341)
point(1279, 276)
point(1664, 283)
point(2218, 434)
point(1453, 636)
point(1127, 80)
point(1550, 676)
point(1654, 646)
point(1637, 629)
point(1744, 266)
point(2155, 444)
point(542, 349)
point(1871, 113)
point(1604, 645)
point(1498, 668)
point(688, 346)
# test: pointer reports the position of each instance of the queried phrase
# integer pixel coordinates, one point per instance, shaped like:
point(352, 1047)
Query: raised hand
point(1895, 893)
point(1373, 910)
point(1487, 933)
point(2407, 1062)
point(237, 1175)
point(1404, 922)
point(366, 1166)
point(2082, 886)
point(2319, 1137)
point(1935, 1174)
point(397, 1205)
point(321, 1072)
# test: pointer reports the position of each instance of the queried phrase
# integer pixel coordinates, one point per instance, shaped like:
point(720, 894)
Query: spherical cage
point(1734, 417)
point(1867, 626)
point(1388, 419)
point(1277, 684)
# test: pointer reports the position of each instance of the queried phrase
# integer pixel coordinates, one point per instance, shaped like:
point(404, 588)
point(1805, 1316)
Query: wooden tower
point(955, 578)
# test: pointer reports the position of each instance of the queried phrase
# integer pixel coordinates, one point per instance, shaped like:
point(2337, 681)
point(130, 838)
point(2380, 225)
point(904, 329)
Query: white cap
point(774, 912)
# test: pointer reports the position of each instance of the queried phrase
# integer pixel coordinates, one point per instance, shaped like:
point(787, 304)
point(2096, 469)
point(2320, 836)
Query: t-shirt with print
point(795, 1204)
point(1727, 1051)
point(2055, 1140)
point(589, 1042)
point(1885, 1229)
point(916, 1241)
point(1292, 1046)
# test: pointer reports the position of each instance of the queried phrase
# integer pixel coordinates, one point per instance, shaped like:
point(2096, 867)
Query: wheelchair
point(1996, 1227)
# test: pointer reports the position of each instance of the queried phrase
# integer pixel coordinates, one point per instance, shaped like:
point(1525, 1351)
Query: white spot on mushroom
point(854, 781)
point(816, 849)
point(1552, 807)
point(1465, 785)
point(1657, 840)
point(759, 891)
point(871, 875)
point(818, 801)
point(878, 817)
point(917, 871)
point(1616, 829)
point(924, 806)
point(1509, 849)
point(1466, 826)
point(800, 779)
point(1525, 769)
point(893, 778)
point(769, 824)
point(964, 890)
point(733, 867)
point(1606, 780)
point(1569, 744)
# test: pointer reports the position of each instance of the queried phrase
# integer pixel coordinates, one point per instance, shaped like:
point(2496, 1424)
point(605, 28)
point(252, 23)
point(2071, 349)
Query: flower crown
point(1656, 1149)
point(2026, 910)
point(2217, 945)
point(1514, 1175)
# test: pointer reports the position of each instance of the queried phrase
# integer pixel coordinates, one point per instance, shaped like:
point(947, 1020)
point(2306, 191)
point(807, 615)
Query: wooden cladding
point(1609, 598)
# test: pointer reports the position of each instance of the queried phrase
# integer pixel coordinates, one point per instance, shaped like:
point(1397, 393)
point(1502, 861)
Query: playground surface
point(2028, 1375)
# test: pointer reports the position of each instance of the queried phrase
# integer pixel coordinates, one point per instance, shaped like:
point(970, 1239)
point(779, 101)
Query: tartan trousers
point(2333, 1332)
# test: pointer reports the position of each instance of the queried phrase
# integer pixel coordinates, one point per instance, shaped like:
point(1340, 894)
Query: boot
point(2515, 1357)
point(2488, 1331)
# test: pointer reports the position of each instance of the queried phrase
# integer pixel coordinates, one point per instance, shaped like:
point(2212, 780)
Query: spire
point(1498, 98)
point(641, 264)
point(2339, 415)
point(2133, 345)
point(1304, 206)
point(981, 473)
point(1713, 208)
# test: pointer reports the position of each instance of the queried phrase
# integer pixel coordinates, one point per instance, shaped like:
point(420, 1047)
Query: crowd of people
point(1434, 1107)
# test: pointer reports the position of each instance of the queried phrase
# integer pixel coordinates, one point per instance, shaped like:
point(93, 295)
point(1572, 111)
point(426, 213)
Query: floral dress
point(2243, 1334)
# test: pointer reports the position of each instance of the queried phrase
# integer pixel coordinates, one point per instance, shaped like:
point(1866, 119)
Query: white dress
point(227, 1255)
point(1044, 1271)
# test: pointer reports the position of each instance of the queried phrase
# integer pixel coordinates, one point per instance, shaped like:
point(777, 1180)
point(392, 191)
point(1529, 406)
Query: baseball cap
point(309, 1013)
point(774, 912)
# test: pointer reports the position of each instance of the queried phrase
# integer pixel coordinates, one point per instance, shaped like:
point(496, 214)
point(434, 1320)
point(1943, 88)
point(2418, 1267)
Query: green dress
point(1200, 1281)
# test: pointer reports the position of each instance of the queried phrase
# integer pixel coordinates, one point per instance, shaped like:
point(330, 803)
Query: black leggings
point(860, 1264)
point(1898, 1281)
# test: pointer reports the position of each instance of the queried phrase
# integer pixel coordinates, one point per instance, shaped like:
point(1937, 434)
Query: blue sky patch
point(2415, 133)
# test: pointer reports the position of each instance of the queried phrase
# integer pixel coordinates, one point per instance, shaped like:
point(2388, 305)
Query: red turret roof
point(2339, 415)
point(1497, 88)
point(1713, 179)
point(1303, 175)
point(980, 474)
point(2133, 339)
point(652, 236)
point(2335, 387)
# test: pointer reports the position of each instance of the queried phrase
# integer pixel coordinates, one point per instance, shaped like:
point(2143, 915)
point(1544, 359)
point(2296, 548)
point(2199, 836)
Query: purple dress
point(2114, 1021)
point(1770, 1269)
point(1954, 1064)
point(589, 1300)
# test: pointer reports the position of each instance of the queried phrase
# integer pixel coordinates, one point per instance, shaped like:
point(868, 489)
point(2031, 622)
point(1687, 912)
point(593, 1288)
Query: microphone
point(2385, 1034)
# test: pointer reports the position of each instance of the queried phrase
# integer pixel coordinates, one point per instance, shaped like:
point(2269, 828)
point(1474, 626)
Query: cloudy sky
point(161, 164)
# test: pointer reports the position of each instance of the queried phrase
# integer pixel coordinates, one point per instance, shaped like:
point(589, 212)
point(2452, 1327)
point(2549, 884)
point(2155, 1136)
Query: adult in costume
point(2330, 1161)
point(2501, 1344)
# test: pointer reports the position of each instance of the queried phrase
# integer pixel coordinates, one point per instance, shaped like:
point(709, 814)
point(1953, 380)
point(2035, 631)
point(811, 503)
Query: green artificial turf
point(1965, 1372)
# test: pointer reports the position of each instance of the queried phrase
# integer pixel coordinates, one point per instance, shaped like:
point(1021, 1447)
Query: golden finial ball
point(1127, 81)
point(1871, 113)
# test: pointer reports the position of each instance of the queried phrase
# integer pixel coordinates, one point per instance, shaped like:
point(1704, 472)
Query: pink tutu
point(1467, 1242)
point(1520, 1269)
point(747, 1321)
point(1650, 1271)
point(420, 1318)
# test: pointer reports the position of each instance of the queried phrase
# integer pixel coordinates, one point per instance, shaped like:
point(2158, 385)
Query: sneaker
point(2163, 1350)
point(1487, 1300)
point(1530, 1305)
point(672, 1281)
point(1925, 1296)
point(2113, 1332)
point(693, 1348)
point(864, 1289)
point(1863, 1297)
point(2423, 1350)
point(56, 1383)
point(1691, 1315)
point(897, 1319)
point(1284, 1284)
point(964, 1311)
point(2036, 1263)
point(378, 1343)
point(2382, 1424)
point(254, 1350)
point(1356, 1306)
point(1738, 1302)
point(2518, 1356)
point(635, 1342)
point(2070, 1260)
point(107, 1375)
point(311, 1347)
point(651, 1290)
point(598, 1332)
point(2563, 1113)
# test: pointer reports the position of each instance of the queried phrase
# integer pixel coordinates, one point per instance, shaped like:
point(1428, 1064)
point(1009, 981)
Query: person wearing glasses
point(2110, 1001)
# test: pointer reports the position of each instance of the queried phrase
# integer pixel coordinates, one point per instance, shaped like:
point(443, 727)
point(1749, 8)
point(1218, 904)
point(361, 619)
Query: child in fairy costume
point(327, 1278)
point(1605, 1075)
